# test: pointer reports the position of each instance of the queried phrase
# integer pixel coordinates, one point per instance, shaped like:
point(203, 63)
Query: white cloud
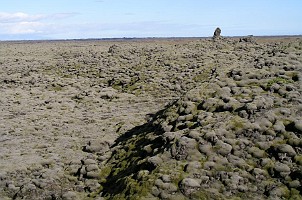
point(20, 23)
point(26, 28)
point(22, 28)
point(19, 17)
point(24, 17)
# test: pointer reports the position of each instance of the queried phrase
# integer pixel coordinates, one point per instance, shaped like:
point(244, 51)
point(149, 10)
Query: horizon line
point(145, 38)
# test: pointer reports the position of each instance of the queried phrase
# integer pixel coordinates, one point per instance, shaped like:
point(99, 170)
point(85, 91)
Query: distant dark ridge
point(148, 38)
point(109, 39)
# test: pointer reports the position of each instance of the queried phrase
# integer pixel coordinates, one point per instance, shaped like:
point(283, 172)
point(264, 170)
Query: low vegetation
point(160, 119)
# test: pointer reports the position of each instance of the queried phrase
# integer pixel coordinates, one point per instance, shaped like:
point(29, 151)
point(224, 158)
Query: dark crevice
point(292, 128)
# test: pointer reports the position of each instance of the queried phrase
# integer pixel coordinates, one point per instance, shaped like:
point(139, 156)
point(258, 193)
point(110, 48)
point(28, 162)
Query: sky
point(82, 19)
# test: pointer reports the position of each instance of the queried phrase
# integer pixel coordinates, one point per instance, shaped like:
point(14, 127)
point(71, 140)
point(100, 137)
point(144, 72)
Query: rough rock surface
point(73, 119)
point(217, 33)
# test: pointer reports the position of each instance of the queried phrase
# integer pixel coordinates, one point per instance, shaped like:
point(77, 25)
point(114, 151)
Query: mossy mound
point(225, 139)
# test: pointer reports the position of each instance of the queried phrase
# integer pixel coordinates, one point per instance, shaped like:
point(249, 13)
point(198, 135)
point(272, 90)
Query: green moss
point(125, 166)
point(138, 189)
point(279, 80)
point(254, 84)
point(298, 159)
point(277, 142)
point(49, 70)
point(252, 162)
point(176, 180)
point(205, 194)
point(237, 123)
point(237, 198)
point(285, 192)
point(190, 124)
point(201, 77)
point(57, 88)
point(295, 194)
point(269, 167)
point(225, 167)
point(68, 76)
point(201, 195)
point(116, 87)
point(134, 189)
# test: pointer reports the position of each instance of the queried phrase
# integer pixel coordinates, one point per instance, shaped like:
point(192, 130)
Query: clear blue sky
point(70, 19)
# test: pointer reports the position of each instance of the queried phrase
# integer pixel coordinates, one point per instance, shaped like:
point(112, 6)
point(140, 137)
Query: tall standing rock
point(217, 33)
